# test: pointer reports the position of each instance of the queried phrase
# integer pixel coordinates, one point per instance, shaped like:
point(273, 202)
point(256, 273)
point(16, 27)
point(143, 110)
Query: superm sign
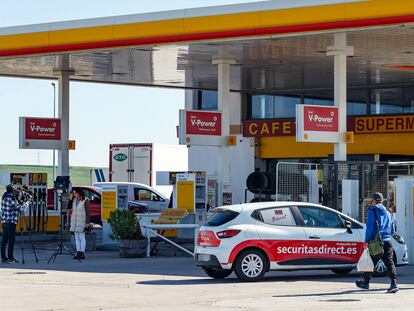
point(317, 124)
point(40, 133)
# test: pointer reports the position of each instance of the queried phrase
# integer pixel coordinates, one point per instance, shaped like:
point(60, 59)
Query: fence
point(297, 182)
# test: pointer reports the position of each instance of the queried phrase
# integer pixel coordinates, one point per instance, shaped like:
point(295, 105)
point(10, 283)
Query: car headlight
point(399, 238)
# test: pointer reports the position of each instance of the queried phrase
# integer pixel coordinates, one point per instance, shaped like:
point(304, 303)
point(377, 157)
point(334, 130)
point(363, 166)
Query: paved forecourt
point(106, 282)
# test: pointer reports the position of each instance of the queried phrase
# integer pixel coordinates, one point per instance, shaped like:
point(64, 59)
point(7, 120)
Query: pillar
point(223, 88)
point(340, 51)
point(63, 72)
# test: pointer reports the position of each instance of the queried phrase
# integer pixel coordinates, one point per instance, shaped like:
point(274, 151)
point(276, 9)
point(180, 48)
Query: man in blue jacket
point(378, 213)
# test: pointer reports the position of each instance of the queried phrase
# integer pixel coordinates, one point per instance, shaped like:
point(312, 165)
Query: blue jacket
point(385, 223)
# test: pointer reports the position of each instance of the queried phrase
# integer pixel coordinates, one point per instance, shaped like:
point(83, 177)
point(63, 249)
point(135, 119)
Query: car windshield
point(220, 218)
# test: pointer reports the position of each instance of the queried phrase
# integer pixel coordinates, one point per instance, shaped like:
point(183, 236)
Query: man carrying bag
point(379, 230)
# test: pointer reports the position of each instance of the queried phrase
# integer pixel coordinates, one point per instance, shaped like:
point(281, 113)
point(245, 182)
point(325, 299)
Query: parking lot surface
point(106, 282)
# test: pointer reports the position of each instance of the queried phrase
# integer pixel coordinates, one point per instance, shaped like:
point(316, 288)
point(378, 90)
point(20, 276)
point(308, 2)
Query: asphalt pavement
point(106, 282)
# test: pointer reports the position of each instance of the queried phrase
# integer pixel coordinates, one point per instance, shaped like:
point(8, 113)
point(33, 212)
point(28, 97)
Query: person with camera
point(10, 211)
point(79, 220)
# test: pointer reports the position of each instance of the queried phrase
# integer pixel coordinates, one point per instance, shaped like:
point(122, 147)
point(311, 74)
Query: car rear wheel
point(217, 273)
point(342, 271)
point(251, 265)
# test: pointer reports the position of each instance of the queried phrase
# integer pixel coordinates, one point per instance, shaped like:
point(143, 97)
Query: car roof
point(120, 183)
point(99, 184)
point(260, 205)
point(250, 207)
point(246, 207)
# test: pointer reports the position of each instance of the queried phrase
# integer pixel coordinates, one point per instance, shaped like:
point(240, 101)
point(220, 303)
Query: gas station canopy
point(277, 45)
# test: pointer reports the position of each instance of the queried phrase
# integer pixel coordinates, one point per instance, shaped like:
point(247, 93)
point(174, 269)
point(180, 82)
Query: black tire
point(253, 256)
point(257, 182)
point(217, 273)
point(342, 271)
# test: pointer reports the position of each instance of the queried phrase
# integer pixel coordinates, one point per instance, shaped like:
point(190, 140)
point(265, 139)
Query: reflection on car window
point(141, 194)
point(281, 216)
point(220, 218)
point(320, 217)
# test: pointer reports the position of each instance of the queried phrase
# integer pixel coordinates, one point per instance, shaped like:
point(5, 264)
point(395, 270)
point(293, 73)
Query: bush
point(124, 225)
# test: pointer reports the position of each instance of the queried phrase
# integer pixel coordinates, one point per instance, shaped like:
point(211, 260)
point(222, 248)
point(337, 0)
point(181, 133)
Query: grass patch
point(79, 175)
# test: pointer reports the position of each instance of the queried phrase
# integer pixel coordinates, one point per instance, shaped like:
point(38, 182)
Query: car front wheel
point(251, 265)
point(217, 273)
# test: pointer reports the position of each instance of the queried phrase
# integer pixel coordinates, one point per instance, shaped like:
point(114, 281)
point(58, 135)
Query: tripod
point(29, 231)
point(61, 249)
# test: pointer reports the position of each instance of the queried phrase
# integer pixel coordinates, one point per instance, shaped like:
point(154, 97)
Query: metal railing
point(151, 230)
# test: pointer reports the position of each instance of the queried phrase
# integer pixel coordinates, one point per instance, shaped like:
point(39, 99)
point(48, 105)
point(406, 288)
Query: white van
point(155, 201)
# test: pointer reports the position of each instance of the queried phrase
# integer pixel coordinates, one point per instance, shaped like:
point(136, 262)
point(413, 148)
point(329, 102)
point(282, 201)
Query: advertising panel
point(265, 128)
point(203, 123)
point(200, 128)
point(185, 187)
point(108, 201)
point(356, 124)
point(40, 133)
point(317, 124)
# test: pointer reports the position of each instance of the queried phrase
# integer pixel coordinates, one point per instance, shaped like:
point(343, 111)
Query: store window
point(357, 102)
point(387, 101)
point(319, 98)
point(271, 107)
point(207, 100)
point(408, 100)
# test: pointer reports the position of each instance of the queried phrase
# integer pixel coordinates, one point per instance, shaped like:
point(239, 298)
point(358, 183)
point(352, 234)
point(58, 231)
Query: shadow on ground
point(109, 262)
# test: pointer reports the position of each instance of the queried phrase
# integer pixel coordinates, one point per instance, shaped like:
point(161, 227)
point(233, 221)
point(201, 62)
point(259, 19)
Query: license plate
point(203, 257)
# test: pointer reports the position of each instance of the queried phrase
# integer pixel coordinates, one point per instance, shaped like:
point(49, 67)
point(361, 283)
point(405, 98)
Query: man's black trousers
point(8, 238)
point(388, 259)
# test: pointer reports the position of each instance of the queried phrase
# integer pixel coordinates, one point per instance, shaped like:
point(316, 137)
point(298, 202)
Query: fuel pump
point(37, 212)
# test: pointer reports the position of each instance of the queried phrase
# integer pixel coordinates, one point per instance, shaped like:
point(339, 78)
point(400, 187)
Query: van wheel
point(342, 271)
point(217, 273)
point(251, 265)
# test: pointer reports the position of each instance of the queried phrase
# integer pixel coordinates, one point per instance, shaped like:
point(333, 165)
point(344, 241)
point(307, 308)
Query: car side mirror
point(348, 226)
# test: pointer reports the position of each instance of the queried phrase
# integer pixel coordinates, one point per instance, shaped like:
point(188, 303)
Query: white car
point(154, 200)
point(252, 239)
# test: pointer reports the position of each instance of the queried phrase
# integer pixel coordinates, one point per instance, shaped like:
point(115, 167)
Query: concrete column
point(63, 72)
point(223, 89)
point(340, 51)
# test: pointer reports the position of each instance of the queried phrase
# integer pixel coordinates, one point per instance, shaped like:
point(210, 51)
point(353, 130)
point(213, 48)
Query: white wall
point(168, 158)
point(205, 158)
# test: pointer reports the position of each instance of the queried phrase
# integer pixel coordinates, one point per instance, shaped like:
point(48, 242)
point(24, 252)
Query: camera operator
point(10, 211)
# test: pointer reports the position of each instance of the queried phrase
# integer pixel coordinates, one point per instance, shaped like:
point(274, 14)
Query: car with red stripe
point(254, 238)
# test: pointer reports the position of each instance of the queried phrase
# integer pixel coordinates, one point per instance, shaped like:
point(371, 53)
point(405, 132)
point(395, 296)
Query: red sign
point(203, 123)
point(320, 119)
point(357, 124)
point(42, 129)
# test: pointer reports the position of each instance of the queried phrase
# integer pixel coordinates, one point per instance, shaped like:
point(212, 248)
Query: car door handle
point(314, 237)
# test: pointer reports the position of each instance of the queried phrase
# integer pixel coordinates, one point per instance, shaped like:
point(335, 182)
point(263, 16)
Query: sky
point(100, 114)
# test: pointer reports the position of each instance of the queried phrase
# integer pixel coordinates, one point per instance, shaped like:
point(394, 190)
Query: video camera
point(22, 194)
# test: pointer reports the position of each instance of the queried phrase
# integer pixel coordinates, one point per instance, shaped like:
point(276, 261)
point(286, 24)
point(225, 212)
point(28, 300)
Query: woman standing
point(79, 219)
